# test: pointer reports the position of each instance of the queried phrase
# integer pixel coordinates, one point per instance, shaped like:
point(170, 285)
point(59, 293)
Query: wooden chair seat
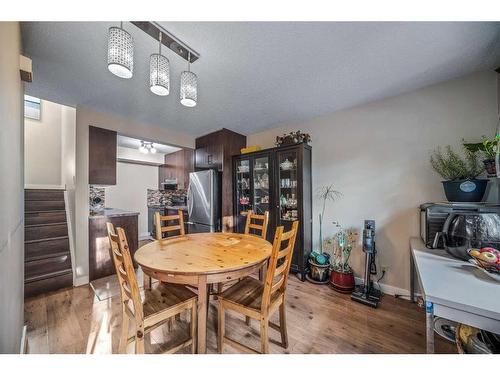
point(248, 293)
point(163, 297)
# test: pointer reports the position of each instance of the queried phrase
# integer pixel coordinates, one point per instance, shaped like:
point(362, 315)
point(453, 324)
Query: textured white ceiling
point(128, 142)
point(256, 75)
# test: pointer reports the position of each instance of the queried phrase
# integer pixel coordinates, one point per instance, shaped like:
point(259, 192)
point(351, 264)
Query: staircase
point(47, 257)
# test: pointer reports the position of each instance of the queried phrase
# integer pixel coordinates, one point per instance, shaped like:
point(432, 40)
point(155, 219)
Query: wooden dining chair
point(159, 305)
point(258, 300)
point(160, 228)
point(251, 224)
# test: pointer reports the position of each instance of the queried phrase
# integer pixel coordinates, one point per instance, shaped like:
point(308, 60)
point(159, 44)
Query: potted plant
point(460, 173)
point(488, 147)
point(342, 277)
point(319, 261)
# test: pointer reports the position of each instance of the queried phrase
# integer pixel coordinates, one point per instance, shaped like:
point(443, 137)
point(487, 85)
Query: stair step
point(46, 247)
point(43, 268)
point(38, 232)
point(46, 256)
point(45, 239)
point(43, 195)
point(48, 276)
point(55, 282)
point(44, 224)
point(44, 205)
point(44, 217)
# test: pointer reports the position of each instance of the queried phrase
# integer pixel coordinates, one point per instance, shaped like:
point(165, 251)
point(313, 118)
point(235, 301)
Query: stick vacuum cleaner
point(367, 294)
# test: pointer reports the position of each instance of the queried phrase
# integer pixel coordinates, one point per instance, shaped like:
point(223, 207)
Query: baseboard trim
point(144, 236)
point(82, 280)
point(390, 289)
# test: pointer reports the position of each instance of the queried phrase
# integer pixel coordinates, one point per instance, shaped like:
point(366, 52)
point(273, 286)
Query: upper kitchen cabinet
point(102, 156)
point(215, 150)
point(177, 166)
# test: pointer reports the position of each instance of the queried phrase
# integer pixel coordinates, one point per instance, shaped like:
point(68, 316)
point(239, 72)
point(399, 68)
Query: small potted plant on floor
point(319, 261)
point(341, 277)
point(460, 173)
point(488, 148)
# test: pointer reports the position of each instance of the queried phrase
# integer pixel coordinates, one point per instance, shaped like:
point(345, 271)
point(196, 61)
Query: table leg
point(202, 314)
point(262, 272)
point(429, 327)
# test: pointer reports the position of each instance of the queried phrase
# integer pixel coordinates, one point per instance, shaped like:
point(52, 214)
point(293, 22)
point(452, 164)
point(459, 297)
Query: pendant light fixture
point(159, 73)
point(120, 52)
point(147, 147)
point(189, 86)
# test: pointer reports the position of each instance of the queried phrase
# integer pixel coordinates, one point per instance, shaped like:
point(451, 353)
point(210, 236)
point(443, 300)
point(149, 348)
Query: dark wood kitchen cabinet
point(100, 261)
point(215, 150)
point(102, 156)
point(278, 180)
point(177, 165)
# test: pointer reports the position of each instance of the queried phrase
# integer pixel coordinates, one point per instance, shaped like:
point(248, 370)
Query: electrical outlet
point(384, 268)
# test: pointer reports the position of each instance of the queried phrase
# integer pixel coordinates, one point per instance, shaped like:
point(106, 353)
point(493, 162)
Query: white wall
point(134, 154)
point(130, 191)
point(11, 190)
point(42, 159)
point(377, 155)
point(84, 118)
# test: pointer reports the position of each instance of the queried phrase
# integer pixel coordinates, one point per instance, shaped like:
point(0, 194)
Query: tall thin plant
point(326, 193)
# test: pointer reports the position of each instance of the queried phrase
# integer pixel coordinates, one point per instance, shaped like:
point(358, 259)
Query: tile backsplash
point(96, 199)
point(165, 197)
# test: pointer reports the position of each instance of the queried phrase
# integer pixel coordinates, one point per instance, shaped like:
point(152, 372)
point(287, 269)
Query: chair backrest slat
point(160, 228)
point(279, 263)
point(255, 226)
point(129, 289)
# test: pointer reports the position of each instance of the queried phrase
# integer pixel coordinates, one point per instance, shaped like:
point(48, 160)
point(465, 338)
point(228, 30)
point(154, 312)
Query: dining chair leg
point(122, 347)
point(194, 326)
point(283, 331)
point(221, 328)
point(147, 282)
point(170, 324)
point(139, 340)
point(264, 338)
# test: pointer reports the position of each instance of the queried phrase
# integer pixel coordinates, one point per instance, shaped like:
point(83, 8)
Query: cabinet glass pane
point(261, 185)
point(288, 191)
point(243, 185)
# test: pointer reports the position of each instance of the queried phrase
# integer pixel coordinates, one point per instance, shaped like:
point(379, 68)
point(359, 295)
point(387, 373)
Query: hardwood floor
point(320, 320)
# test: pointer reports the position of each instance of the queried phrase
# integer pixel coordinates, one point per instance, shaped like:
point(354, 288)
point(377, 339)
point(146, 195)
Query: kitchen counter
point(112, 212)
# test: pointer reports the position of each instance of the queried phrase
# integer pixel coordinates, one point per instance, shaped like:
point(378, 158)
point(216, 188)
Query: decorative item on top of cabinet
point(292, 138)
point(278, 180)
point(102, 156)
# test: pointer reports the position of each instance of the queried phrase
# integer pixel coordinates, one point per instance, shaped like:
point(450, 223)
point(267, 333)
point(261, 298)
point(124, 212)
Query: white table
point(453, 289)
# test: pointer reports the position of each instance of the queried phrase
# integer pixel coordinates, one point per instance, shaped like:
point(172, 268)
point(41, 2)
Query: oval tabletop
point(204, 253)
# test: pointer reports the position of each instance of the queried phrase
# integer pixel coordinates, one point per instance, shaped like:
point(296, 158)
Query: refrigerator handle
point(189, 200)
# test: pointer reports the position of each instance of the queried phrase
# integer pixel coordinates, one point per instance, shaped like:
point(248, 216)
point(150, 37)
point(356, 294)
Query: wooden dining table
point(203, 259)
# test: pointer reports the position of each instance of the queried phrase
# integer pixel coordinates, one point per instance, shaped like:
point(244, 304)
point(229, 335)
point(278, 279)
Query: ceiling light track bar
point(154, 29)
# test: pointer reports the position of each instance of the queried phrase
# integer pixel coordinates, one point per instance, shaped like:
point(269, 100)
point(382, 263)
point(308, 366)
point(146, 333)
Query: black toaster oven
point(433, 216)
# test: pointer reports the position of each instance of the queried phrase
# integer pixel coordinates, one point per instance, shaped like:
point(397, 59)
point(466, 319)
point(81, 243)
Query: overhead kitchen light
point(120, 52)
point(189, 87)
point(147, 147)
point(159, 72)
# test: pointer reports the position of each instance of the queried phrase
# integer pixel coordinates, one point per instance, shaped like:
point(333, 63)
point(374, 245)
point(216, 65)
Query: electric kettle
point(468, 229)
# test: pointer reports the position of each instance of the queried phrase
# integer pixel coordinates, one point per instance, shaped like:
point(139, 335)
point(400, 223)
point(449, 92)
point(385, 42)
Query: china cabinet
point(277, 180)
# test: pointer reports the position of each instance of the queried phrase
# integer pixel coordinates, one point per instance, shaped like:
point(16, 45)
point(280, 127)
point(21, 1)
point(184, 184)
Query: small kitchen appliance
point(458, 227)
point(367, 294)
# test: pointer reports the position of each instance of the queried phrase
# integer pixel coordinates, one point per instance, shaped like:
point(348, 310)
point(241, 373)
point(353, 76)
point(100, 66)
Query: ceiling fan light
point(189, 89)
point(120, 52)
point(159, 74)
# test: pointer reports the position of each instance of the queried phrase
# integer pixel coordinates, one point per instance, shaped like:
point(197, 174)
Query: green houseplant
point(488, 148)
point(460, 173)
point(342, 277)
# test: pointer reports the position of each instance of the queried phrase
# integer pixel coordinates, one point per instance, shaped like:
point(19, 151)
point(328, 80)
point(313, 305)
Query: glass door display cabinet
point(280, 182)
point(253, 191)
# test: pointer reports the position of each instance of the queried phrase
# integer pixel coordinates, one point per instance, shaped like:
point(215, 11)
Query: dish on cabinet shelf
point(286, 165)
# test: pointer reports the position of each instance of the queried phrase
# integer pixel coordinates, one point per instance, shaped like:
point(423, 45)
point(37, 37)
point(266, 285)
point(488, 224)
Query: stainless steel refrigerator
point(204, 202)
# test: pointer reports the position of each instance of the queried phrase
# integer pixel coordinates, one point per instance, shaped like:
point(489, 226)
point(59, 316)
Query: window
point(32, 107)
